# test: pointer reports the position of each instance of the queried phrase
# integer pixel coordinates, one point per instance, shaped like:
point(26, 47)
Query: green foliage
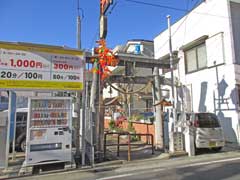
point(135, 138)
point(136, 117)
point(131, 128)
point(112, 125)
point(152, 119)
point(133, 131)
point(118, 129)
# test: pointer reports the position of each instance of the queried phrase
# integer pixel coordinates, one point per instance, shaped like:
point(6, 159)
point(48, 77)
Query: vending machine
point(49, 130)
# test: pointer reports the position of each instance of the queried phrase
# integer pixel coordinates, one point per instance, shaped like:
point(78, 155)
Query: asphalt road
point(200, 168)
point(222, 170)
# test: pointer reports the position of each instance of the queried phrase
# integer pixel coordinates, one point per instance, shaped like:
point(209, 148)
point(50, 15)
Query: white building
point(208, 43)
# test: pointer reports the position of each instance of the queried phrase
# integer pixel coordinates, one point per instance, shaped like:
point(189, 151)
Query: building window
point(238, 95)
point(3, 97)
point(149, 105)
point(196, 58)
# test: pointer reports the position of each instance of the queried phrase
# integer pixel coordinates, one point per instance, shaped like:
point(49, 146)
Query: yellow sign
point(40, 67)
point(40, 48)
point(41, 85)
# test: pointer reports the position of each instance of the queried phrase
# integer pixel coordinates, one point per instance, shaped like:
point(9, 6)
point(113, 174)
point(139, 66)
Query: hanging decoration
point(105, 59)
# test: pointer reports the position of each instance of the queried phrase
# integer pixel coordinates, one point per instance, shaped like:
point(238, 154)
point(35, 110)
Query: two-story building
point(141, 100)
point(207, 41)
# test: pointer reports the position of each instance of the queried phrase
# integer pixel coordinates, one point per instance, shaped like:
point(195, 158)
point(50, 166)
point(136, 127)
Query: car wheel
point(23, 145)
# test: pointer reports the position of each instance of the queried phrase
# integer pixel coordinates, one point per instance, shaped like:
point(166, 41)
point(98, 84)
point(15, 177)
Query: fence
point(128, 142)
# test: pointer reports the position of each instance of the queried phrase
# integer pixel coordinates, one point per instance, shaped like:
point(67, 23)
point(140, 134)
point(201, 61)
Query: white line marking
point(206, 163)
point(160, 169)
point(115, 177)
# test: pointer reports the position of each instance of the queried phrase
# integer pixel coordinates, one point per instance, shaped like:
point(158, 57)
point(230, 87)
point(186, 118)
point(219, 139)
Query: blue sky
point(54, 21)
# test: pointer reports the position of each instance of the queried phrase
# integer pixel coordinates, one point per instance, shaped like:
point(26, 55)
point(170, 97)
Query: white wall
point(210, 18)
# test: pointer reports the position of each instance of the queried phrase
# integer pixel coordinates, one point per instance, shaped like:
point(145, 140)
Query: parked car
point(21, 129)
point(208, 131)
point(21, 125)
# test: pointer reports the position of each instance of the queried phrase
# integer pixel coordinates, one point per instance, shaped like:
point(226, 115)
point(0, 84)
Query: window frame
point(195, 48)
point(238, 96)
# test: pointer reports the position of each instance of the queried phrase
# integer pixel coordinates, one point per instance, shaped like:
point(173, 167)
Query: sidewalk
point(140, 157)
point(135, 166)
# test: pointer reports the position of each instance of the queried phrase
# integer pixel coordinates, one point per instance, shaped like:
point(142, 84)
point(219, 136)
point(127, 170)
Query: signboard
point(34, 67)
point(103, 27)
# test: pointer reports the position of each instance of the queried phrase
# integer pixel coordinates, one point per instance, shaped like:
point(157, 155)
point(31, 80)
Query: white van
point(208, 131)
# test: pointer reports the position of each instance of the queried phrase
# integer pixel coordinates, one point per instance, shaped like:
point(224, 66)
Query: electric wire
point(173, 8)
point(157, 5)
point(94, 38)
point(185, 18)
point(113, 7)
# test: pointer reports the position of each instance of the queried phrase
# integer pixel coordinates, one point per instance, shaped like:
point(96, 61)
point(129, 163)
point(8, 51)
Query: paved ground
point(142, 159)
point(219, 166)
point(219, 170)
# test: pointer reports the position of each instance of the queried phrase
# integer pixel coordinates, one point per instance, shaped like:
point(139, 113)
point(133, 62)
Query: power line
point(94, 38)
point(173, 33)
point(174, 8)
point(197, 1)
point(157, 5)
point(113, 7)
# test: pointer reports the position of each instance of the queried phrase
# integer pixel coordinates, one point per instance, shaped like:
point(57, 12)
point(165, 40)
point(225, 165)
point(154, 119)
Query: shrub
point(133, 131)
point(151, 119)
point(112, 125)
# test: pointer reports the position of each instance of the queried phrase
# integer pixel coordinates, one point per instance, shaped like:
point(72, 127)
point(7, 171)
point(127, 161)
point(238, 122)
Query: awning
point(194, 43)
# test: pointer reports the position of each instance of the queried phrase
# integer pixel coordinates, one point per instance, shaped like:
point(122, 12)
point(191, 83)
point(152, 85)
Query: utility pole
point(78, 29)
point(171, 64)
point(96, 97)
point(171, 143)
point(80, 123)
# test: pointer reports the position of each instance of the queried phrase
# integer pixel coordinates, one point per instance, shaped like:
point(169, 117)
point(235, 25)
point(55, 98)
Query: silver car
point(208, 131)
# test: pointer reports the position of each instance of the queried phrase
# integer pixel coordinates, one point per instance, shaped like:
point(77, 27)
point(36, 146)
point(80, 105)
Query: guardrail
point(126, 144)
